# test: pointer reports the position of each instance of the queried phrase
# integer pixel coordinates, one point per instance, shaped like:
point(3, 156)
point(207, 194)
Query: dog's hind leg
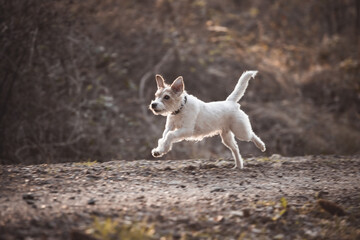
point(258, 142)
point(229, 141)
point(241, 127)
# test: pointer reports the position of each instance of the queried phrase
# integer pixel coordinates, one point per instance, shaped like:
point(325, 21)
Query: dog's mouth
point(155, 111)
point(158, 112)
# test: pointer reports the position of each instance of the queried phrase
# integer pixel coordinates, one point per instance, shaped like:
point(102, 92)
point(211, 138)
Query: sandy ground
point(312, 197)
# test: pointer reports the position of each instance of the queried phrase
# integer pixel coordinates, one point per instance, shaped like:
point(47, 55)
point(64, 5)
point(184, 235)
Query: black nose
point(153, 105)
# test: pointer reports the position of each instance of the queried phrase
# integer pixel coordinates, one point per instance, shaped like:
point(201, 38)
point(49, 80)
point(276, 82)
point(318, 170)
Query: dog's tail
point(241, 86)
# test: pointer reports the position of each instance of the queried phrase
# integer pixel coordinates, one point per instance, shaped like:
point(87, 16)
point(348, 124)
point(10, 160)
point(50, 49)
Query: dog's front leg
point(169, 126)
point(165, 144)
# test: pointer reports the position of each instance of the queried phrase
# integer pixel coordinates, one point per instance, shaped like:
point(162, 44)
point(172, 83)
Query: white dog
point(189, 118)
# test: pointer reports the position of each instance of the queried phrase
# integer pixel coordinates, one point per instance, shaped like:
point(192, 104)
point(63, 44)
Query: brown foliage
point(76, 77)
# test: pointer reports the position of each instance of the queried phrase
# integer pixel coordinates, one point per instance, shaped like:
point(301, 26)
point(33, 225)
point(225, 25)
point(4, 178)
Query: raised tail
point(241, 86)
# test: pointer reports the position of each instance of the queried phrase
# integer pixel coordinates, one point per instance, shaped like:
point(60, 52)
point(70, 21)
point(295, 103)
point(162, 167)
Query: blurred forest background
point(76, 77)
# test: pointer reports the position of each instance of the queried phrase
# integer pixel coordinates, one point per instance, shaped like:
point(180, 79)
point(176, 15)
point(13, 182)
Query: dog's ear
point(160, 81)
point(178, 85)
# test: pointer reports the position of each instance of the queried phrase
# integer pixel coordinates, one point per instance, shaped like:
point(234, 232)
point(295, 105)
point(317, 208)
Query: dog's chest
point(178, 122)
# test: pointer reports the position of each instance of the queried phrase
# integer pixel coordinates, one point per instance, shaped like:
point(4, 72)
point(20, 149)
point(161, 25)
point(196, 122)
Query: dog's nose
point(153, 105)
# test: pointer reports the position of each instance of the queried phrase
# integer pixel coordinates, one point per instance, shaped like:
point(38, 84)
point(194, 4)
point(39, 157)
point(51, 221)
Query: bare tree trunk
point(357, 25)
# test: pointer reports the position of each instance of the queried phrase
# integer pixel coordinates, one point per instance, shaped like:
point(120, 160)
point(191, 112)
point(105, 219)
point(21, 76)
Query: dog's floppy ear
point(160, 81)
point(178, 85)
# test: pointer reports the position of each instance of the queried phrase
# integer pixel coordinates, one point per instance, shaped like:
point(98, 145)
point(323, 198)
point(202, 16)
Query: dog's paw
point(156, 153)
point(237, 167)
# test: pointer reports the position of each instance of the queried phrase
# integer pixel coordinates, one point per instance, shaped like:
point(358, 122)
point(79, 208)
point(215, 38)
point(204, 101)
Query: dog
point(189, 118)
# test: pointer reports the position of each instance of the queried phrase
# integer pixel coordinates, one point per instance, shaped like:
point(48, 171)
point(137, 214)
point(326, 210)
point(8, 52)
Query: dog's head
point(168, 98)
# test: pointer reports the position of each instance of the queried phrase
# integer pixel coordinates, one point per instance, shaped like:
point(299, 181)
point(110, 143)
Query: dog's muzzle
point(153, 107)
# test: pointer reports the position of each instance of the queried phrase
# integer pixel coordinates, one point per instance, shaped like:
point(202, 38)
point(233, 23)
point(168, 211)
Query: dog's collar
point(181, 107)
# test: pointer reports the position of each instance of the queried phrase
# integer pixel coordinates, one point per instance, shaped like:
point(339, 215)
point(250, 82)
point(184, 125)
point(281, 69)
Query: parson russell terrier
point(189, 118)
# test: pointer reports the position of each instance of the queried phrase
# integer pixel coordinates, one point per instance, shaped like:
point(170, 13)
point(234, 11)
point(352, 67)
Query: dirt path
point(272, 198)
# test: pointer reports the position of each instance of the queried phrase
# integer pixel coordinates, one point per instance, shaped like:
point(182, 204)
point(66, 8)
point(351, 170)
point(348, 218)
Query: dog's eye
point(166, 97)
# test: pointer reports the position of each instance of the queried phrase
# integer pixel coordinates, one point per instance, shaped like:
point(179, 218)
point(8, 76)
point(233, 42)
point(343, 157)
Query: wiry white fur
point(198, 119)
